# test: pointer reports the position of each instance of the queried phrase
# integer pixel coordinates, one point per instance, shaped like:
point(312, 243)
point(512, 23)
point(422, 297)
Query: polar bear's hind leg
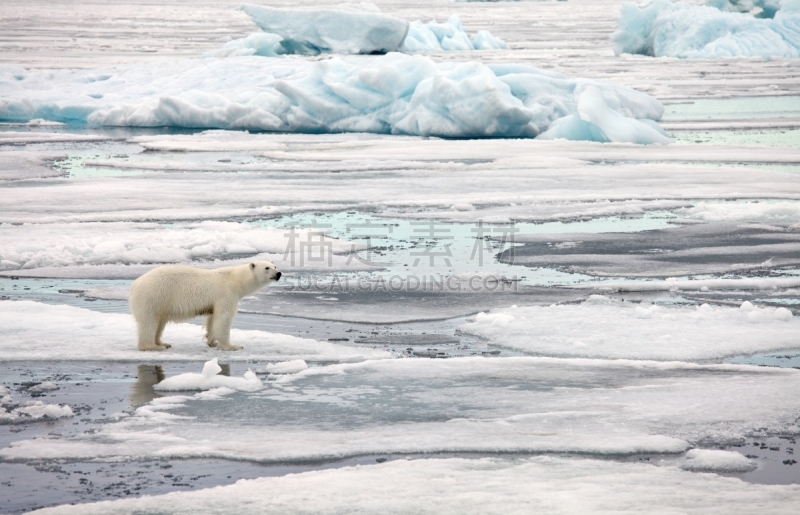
point(161, 324)
point(147, 329)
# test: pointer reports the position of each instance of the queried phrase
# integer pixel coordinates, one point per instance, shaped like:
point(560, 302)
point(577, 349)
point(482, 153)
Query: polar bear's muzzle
point(278, 276)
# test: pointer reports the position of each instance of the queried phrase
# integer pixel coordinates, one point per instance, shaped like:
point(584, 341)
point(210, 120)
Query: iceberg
point(343, 29)
point(391, 94)
point(447, 36)
point(350, 29)
point(677, 29)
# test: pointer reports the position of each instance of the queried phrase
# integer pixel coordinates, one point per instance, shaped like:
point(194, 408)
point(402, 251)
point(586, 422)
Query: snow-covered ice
point(209, 379)
point(51, 246)
point(466, 486)
point(349, 29)
point(287, 367)
point(663, 28)
point(32, 411)
point(604, 328)
point(473, 404)
point(719, 461)
point(391, 94)
point(343, 29)
point(110, 336)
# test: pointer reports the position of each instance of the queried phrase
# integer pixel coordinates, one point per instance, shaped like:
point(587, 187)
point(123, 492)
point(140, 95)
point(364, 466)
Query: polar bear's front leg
point(221, 325)
point(209, 326)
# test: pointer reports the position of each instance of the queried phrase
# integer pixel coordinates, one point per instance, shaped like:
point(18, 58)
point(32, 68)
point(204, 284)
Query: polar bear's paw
point(230, 347)
point(165, 345)
point(154, 347)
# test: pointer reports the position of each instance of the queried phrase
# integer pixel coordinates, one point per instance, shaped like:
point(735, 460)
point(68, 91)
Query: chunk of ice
point(343, 29)
point(391, 94)
point(608, 328)
point(287, 367)
point(664, 28)
point(717, 461)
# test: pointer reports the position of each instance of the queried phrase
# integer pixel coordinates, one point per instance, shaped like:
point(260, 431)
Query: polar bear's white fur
point(173, 293)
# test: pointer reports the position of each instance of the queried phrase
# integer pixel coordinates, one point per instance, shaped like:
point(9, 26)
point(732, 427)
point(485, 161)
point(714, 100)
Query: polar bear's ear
point(252, 266)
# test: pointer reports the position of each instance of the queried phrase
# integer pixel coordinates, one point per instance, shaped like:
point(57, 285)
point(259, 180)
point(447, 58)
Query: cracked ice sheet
point(488, 485)
point(678, 250)
point(491, 179)
point(604, 328)
point(33, 331)
point(475, 404)
point(127, 249)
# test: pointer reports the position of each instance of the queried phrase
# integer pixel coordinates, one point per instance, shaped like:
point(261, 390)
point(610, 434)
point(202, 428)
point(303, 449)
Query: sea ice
point(349, 29)
point(33, 411)
point(447, 36)
point(287, 367)
point(210, 379)
point(390, 94)
point(458, 405)
point(616, 329)
point(70, 333)
point(56, 245)
point(459, 486)
point(342, 29)
point(718, 461)
point(664, 28)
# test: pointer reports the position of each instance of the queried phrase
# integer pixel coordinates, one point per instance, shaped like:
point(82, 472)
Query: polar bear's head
point(265, 272)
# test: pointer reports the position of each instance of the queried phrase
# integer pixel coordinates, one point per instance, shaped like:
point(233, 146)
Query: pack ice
point(391, 94)
point(677, 29)
point(349, 29)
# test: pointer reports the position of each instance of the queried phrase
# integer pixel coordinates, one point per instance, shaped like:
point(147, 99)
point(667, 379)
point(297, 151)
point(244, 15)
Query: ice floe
point(465, 486)
point(663, 28)
point(209, 379)
point(616, 329)
point(51, 246)
point(349, 29)
point(390, 94)
point(287, 367)
point(709, 460)
point(70, 333)
point(459, 405)
point(447, 36)
point(31, 411)
point(343, 29)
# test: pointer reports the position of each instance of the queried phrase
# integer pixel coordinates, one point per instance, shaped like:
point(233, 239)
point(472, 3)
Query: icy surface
point(287, 367)
point(617, 329)
point(107, 336)
point(124, 243)
point(447, 36)
point(664, 28)
point(463, 486)
point(512, 404)
point(209, 379)
point(719, 461)
point(32, 411)
point(350, 29)
point(391, 94)
point(343, 29)
point(678, 250)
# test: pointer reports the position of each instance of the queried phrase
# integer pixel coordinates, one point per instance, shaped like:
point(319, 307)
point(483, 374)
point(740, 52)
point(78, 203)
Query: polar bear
point(173, 293)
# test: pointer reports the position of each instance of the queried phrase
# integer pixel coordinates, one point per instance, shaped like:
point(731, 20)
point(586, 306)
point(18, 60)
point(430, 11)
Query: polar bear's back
point(178, 292)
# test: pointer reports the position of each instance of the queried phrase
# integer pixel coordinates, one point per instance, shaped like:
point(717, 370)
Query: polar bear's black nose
point(278, 276)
